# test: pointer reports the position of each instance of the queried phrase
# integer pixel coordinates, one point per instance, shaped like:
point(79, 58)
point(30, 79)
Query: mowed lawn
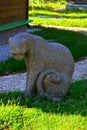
point(56, 14)
point(36, 113)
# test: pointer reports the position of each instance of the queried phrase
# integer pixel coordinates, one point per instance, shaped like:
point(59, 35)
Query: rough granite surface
point(50, 65)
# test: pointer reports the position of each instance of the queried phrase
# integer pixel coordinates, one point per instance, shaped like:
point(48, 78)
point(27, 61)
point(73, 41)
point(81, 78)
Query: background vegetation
point(46, 1)
point(56, 14)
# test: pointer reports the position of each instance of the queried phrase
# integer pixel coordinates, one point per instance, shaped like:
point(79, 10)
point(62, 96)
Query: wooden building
point(13, 18)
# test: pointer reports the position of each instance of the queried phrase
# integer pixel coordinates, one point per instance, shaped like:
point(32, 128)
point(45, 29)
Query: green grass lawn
point(35, 113)
point(56, 14)
point(12, 66)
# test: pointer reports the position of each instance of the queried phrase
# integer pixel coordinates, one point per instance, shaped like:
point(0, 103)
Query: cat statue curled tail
point(52, 84)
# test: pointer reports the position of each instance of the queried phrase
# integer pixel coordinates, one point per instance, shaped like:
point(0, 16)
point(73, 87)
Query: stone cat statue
point(50, 65)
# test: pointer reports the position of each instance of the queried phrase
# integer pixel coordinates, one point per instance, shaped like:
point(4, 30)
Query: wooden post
point(12, 11)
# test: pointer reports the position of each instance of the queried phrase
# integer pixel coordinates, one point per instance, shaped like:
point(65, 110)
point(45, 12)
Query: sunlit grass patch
point(36, 113)
point(59, 21)
point(56, 14)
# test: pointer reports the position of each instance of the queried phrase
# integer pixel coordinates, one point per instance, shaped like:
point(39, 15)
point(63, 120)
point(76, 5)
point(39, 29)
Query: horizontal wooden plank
point(13, 13)
point(14, 19)
point(8, 2)
point(12, 7)
point(8, 20)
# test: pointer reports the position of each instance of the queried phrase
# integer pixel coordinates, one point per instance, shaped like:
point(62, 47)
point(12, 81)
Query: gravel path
point(80, 71)
point(18, 81)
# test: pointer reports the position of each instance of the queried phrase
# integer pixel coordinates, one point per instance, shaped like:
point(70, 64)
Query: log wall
point(13, 11)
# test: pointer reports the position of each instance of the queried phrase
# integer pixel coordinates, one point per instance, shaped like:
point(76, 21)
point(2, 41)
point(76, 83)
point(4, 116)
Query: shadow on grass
point(75, 102)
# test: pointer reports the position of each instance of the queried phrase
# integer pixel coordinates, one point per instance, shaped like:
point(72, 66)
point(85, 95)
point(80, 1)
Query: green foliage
point(56, 14)
point(46, 6)
point(46, 1)
point(36, 113)
point(36, 1)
